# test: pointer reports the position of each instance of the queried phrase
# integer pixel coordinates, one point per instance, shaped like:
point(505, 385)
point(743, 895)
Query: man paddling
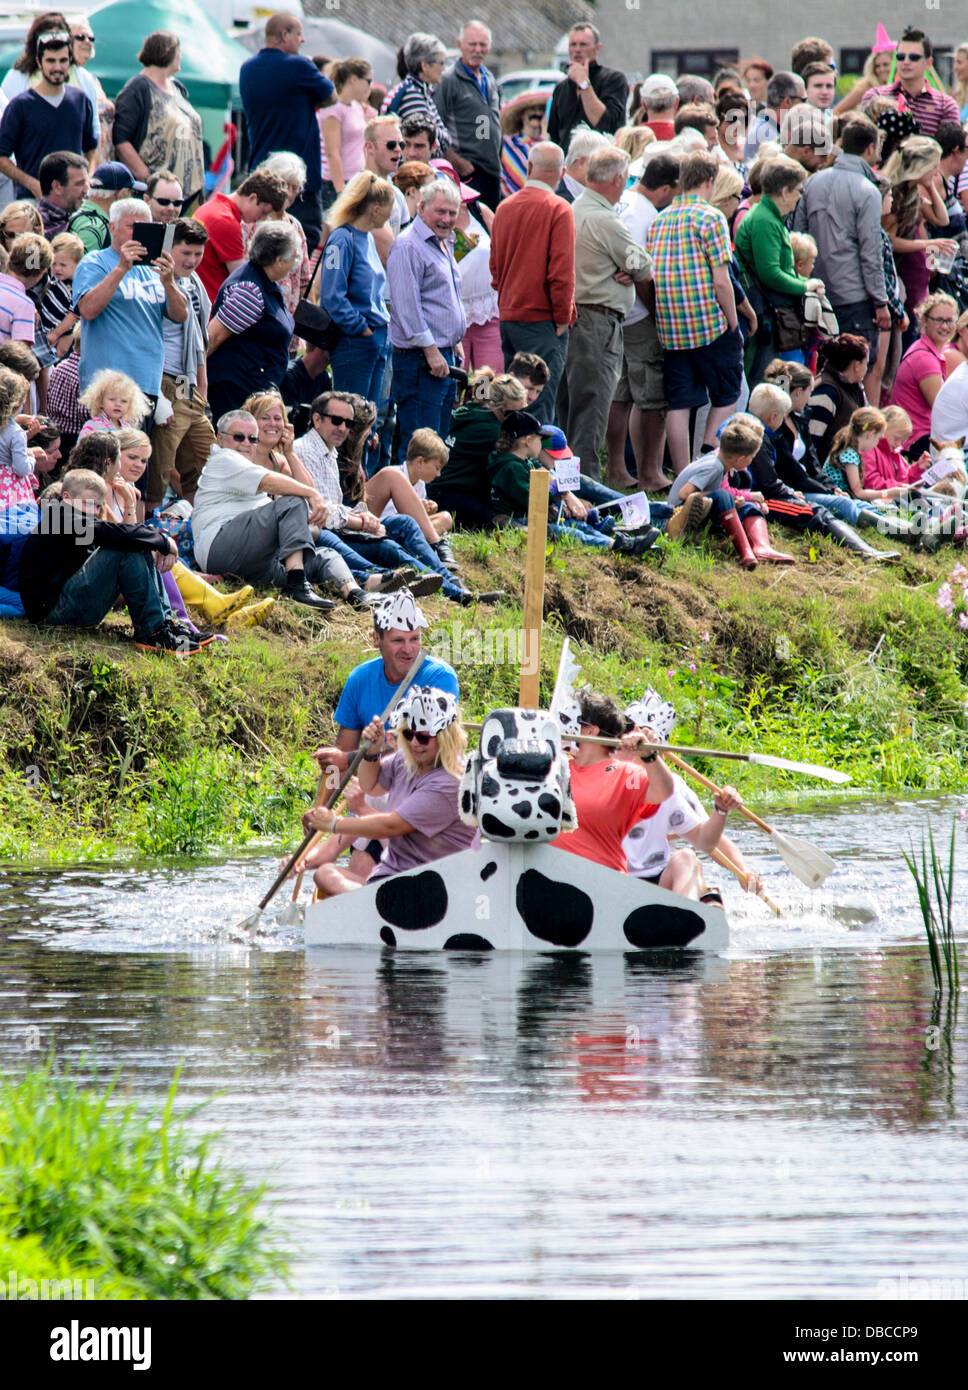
point(397, 636)
point(612, 788)
point(647, 846)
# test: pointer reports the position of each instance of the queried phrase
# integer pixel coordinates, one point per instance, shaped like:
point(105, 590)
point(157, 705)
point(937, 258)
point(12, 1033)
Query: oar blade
point(827, 774)
point(804, 860)
point(292, 915)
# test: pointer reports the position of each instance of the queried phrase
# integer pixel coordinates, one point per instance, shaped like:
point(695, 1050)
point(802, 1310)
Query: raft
point(515, 897)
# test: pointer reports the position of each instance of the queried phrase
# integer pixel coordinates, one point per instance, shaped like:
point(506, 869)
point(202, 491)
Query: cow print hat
point(426, 710)
point(652, 712)
point(399, 610)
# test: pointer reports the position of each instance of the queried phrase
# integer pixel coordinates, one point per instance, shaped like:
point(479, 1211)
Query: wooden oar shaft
point(332, 799)
point(707, 782)
point(534, 573)
point(743, 877)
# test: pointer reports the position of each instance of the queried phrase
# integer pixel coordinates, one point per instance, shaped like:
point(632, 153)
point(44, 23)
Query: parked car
point(528, 80)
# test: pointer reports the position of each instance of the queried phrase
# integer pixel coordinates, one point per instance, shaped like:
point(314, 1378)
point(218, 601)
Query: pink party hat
point(883, 43)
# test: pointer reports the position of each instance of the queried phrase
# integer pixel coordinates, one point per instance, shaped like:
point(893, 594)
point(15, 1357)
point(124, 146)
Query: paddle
point(810, 864)
point(828, 774)
point(743, 877)
point(249, 923)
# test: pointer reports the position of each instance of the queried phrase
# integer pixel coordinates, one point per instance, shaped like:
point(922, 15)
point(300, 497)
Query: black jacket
point(567, 111)
point(804, 474)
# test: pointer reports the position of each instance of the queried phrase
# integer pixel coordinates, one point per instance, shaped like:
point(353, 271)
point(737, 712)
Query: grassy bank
point(106, 750)
point(111, 1202)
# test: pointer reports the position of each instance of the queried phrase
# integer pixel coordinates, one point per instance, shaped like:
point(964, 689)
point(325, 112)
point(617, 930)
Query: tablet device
point(155, 237)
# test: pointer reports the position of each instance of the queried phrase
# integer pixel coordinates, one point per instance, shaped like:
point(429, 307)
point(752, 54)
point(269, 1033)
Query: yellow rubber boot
point(250, 616)
point(216, 607)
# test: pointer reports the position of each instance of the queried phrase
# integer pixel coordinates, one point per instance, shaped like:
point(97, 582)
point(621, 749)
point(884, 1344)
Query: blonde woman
point(959, 88)
point(19, 217)
point(923, 368)
point(420, 780)
point(876, 73)
point(353, 285)
point(341, 126)
point(464, 486)
point(918, 195)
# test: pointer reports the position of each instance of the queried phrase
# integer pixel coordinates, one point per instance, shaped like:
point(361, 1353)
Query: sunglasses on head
point(411, 734)
point(169, 202)
point(241, 438)
point(346, 420)
point(57, 40)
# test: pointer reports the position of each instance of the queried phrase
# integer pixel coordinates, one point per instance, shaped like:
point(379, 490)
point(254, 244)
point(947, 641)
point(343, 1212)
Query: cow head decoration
point(515, 786)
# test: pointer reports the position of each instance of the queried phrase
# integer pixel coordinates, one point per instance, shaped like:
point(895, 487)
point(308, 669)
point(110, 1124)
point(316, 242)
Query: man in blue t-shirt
point(281, 91)
point(48, 116)
point(397, 621)
point(122, 304)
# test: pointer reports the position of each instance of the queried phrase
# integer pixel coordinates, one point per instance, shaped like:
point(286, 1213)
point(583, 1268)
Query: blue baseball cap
point(115, 176)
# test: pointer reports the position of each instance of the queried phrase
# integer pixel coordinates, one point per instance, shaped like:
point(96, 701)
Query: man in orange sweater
point(533, 271)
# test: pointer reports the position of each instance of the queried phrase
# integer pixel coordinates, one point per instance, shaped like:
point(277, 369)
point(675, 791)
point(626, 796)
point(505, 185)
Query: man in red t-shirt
point(256, 197)
point(612, 788)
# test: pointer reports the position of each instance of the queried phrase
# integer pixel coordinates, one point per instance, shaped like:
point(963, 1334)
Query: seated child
point(114, 401)
point(17, 474)
point(402, 488)
point(845, 463)
point(595, 494)
point(57, 318)
point(518, 447)
point(532, 372)
point(699, 494)
point(885, 469)
point(74, 567)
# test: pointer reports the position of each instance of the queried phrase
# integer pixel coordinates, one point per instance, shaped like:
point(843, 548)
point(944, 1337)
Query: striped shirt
point(242, 306)
point(17, 312)
point(415, 100)
point(687, 241)
point(929, 108)
point(322, 465)
point(423, 284)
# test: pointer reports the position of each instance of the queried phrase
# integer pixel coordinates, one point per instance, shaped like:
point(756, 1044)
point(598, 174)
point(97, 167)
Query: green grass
point(96, 1189)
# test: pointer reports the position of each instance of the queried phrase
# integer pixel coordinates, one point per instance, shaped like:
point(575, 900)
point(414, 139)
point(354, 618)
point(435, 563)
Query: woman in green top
point(464, 486)
point(518, 446)
point(765, 253)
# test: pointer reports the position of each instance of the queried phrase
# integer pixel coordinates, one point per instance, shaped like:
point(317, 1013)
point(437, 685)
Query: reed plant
point(127, 1199)
point(935, 886)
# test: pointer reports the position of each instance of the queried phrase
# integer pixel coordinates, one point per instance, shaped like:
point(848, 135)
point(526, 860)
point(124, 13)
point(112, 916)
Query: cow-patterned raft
point(515, 898)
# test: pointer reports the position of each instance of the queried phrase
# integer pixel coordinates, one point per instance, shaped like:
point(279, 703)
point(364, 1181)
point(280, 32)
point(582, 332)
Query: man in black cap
point(109, 182)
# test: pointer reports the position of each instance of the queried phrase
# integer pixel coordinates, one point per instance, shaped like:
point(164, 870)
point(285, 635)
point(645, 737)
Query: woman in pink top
point(341, 126)
point(923, 368)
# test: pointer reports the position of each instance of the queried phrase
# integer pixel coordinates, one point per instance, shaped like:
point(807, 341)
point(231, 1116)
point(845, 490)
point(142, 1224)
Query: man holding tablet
point(122, 298)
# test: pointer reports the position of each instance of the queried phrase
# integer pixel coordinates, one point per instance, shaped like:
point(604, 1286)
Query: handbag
point(312, 321)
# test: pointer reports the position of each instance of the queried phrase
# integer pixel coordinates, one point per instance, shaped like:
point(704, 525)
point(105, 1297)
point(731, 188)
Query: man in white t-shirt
point(638, 406)
point(647, 846)
point(949, 414)
point(255, 523)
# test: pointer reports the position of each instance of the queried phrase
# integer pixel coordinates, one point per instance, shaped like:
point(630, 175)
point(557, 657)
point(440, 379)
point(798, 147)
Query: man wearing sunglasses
point(165, 196)
point(383, 155)
point(928, 106)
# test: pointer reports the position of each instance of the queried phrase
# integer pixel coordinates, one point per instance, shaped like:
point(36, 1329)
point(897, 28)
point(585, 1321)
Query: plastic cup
point(942, 259)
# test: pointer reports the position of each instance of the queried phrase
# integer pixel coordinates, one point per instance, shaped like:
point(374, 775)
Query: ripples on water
point(776, 1123)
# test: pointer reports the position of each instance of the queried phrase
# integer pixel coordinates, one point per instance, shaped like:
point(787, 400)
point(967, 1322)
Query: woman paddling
point(419, 783)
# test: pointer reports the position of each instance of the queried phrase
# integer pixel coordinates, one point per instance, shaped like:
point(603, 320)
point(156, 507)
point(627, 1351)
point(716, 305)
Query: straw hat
point(513, 111)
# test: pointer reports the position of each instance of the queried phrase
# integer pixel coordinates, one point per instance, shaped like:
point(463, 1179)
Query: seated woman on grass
point(114, 401)
point(420, 782)
point(464, 486)
point(516, 454)
point(700, 495)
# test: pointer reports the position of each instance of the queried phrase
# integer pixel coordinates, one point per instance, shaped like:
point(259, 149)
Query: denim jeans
point(358, 567)
point(423, 401)
point(90, 593)
point(405, 531)
point(724, 501)
point(844, 508)
point(359, 363)
point(597, 494)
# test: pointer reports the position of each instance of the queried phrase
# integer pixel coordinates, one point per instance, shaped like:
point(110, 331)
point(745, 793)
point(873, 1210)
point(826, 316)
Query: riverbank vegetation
point(109, 751)
point(122, 1203)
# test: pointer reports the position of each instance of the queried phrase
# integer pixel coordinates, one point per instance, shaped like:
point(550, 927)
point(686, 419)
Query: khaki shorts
point(641, 379)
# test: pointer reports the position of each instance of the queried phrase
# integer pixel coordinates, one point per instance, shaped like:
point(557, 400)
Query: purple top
point(429, 804)
point(423, 285)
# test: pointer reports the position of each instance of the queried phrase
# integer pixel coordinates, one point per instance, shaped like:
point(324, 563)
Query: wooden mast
point(534, 573)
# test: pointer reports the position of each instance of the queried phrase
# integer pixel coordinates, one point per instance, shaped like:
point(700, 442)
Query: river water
point(784, 1121)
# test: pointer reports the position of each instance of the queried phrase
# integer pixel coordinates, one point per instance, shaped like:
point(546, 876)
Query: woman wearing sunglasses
point(418, 785)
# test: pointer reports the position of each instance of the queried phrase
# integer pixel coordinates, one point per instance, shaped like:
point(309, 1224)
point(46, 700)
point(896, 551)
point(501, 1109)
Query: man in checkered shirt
point(695, 308)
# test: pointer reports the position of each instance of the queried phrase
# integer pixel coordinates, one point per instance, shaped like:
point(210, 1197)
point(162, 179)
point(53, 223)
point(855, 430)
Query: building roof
point(516, 27)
